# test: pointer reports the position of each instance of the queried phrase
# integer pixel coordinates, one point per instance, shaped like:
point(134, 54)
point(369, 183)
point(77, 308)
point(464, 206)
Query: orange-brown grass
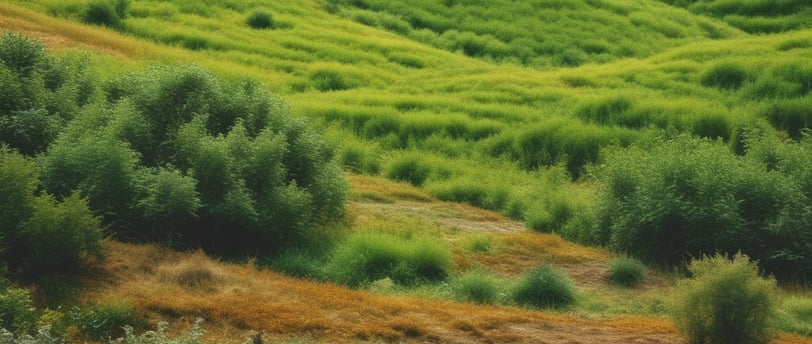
point(245, 300)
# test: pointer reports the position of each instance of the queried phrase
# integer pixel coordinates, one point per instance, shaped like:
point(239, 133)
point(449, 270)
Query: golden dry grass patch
point(246, 300)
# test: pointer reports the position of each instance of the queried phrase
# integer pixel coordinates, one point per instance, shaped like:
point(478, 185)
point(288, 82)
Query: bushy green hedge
point(687, 197)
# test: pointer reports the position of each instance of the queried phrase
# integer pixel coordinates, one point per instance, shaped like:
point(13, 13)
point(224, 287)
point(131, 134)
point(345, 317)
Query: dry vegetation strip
point(238, 299)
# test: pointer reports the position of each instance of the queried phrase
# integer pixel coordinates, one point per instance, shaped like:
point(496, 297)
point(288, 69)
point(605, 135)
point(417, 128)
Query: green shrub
point(20, 54)
point(478, 286)
point(17, 312)
point(726, 75)
point(726, 301)
point(626, 272)
point(687, 197)
point(159, 336)
point(104, 321)
point(367, 257)
point(544, 287)
point(260, 19)
point(59, 235)
point(101, 169)
point(410, 168)
point(101, 12)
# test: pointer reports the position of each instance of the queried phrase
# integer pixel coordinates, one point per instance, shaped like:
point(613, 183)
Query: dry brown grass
point(246, 300)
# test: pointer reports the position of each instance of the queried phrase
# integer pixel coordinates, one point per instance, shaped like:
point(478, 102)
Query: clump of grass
point(410, 168)
point(726, 301)
point(726, 75)
point(479, 243)
point(260, 19)
point(478, 286)
point(195, 274)
point(297, 263)
point(626, 272)
point(366, 257)
point(544, 287)
point(795, 315)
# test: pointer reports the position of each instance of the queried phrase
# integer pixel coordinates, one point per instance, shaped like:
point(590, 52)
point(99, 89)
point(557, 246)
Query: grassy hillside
point(524, 109)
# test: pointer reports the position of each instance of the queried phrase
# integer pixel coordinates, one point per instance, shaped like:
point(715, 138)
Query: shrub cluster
point(687, 197)
point(40, 93)
point(38, 233)
point(175, 151)
point(726, 301)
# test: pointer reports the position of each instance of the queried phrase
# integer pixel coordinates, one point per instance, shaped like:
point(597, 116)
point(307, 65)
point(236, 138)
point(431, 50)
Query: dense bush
point(105, 12)
point(688, 197)
point(39, 234)
point(40, 93)
point(174, 153)
point(17, 312)
point(367, 257)
point(544, 287)
point(726, 301)
point(626, 272)
point(260, 19)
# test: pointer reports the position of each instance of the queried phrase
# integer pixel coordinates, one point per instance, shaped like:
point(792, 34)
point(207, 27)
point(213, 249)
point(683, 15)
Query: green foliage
point(366, 257)
point(726, 75)
point(795, 315)
point(59, 234)
point(410, 168)
point(20, 54)
point(544, 287)
point(491, 30)
point(104, 321)
point(755, 16)
point(726, 301)
point(40, 93)
point(102, 169)
point(105, 12)
point(478, 286)
point(793, 115)
point(688, 197)
point(18, 182)
point(298, 263)
point(17, 312)
point(260, 19)
point(160, 336)
point(166, 195)
point(626, 272)
point(479, 243)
